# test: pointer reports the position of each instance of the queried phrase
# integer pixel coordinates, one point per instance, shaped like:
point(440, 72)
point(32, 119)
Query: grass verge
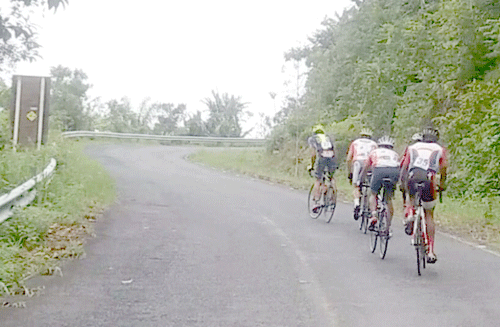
point(56, 224)
point(473, 220)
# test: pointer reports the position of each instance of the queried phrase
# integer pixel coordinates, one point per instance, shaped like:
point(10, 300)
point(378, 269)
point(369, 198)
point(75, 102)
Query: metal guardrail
point(24, 194)
point(168, 138)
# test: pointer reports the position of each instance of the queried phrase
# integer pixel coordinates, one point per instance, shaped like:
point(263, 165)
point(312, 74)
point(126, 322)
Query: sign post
point(29, 114)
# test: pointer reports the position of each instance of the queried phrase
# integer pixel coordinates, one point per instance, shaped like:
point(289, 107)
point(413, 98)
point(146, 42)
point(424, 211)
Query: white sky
point(179, 51)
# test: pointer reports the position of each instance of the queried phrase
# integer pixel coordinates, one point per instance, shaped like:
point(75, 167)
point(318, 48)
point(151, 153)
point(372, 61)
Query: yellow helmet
point(318, 128)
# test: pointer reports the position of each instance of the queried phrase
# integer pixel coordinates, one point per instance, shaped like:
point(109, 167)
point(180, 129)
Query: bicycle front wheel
point(373, 240)
point(313, 207)
point(331, 200)
point(364, 211)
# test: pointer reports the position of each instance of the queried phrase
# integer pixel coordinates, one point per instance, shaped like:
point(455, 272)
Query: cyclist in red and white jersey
point(423, 162)
point(384, 163)
point(357, 155)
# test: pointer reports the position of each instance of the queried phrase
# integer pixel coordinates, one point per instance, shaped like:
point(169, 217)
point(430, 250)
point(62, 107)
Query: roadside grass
point(473, 220)
point(56, 224)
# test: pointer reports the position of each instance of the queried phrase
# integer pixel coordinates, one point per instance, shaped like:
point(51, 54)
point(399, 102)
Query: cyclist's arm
point(404, 168)
point(443, 169)
point(349, 158)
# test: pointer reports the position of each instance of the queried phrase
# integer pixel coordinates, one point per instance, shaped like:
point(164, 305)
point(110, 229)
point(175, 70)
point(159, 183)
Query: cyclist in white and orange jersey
point(357, 155)
point(423, 162)
point(384, 164)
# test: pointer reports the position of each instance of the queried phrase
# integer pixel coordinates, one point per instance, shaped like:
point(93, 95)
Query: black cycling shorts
point(379, 173)
point(417, 175)
point(325, 162)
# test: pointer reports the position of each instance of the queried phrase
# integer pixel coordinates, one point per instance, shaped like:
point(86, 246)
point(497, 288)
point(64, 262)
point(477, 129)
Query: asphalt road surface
point(187, 245)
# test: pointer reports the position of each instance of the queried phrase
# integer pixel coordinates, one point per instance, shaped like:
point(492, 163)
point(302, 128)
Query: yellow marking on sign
point(31, 115)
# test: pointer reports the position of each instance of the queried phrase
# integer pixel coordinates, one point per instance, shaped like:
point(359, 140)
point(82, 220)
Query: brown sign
point(30, 109)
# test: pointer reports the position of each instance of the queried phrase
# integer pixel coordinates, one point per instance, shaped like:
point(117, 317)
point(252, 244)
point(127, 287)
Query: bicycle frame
point(365, 204)
point(420, 239)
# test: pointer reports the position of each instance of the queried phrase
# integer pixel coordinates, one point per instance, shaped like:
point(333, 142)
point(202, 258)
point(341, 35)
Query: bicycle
point(364, 211)
point(420, 239)
point(328, 199)
point(381, 230)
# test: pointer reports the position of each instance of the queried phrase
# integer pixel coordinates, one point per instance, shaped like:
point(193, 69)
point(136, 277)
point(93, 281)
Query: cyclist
point(359, 150)
point(417, 137)
point(323, 155)
point(424, 161)
point(384, 163)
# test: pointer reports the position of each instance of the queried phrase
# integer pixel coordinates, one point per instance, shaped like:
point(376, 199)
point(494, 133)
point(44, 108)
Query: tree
point(18, 36)
point(225, 115)
point(195, 125)
point(120, 118)
point(168, 117)
point(68, 102)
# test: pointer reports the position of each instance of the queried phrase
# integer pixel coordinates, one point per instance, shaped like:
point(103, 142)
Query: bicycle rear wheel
point(312, 207)
point(384, 234)
point(331, 202)
point(418, 244)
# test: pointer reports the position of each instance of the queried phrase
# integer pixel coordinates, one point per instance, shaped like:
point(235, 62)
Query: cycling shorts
point(357, 166)
point(417, 175)
point(323, 163)
point(378, 175)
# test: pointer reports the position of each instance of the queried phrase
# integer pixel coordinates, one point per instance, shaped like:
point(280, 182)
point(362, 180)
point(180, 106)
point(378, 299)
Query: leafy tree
point(195, 125)
point(18, 37)
point(68, 103)
point(119, 117)
point(225, 115)
point(168, 117)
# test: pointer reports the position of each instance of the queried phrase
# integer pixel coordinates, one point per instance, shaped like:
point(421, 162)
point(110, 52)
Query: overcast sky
point(179, 51)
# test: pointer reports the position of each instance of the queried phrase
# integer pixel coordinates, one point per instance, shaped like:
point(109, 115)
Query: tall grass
point(55, 224)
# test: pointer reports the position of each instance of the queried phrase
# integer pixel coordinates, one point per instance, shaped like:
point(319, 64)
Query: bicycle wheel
point(384, 233)
point(373, 238)
point(364, 210)
point(312, 207)
point(418, 244)
point(424, 244)
point(330, 202)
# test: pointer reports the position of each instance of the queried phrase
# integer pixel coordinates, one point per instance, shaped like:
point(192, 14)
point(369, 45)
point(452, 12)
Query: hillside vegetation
point(56, 224)
point(396, 66)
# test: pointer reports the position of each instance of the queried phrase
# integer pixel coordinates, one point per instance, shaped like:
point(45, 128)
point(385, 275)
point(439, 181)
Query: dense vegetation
point(399, 65)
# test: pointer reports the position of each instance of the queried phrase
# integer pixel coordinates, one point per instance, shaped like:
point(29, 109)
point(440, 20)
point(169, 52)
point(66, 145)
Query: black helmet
point(430, 134)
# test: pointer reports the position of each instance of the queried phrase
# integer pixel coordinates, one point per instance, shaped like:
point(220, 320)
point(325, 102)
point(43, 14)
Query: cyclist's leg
point(318, 184)
point(375, 186)
point(393, 174)
point(429, 202)
point(356, 172)
point(332, 167)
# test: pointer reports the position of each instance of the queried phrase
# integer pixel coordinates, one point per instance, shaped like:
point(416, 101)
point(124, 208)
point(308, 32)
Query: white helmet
point(417, 137)
point(366, 131)
point(386, 140)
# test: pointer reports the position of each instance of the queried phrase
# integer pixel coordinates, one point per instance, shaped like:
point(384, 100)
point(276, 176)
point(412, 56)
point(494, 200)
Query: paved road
point(187, 245)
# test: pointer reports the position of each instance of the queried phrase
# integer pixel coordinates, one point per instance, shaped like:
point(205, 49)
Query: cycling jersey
point(383, 157)
point(361, 148)
point(426, 156)
point(323, 145)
